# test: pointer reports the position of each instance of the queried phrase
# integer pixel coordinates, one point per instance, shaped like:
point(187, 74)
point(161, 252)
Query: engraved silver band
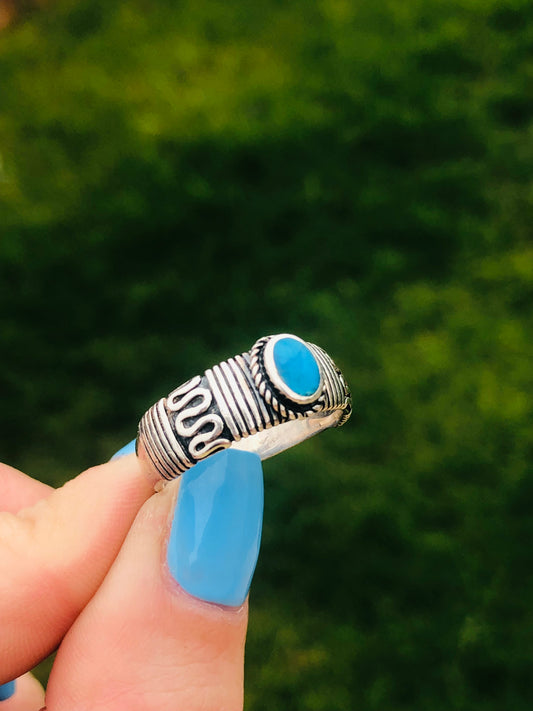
point(244, 403)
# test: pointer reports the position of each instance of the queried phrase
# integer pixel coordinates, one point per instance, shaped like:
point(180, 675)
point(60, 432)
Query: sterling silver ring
point(282, 391)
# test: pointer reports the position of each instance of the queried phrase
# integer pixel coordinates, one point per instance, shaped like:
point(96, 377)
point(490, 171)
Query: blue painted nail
point(7, 690)
point(216, 531)
point(127, 449)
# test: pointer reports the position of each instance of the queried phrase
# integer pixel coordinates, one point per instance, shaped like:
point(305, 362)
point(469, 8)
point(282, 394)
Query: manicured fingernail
point(7, 690)
point(127, 449)
point(216, 530)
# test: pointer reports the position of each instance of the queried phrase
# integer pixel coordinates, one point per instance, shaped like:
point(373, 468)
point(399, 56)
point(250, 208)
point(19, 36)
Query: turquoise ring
point(280, 392)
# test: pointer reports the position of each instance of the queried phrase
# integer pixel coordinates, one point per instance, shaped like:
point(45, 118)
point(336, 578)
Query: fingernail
point(7, 690)
point(127, 449)
point(216, 531)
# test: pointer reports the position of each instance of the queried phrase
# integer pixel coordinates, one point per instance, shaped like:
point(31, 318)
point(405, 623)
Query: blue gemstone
point(296, 366)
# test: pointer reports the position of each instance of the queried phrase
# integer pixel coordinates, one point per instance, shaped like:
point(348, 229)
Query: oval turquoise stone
point(296, 366)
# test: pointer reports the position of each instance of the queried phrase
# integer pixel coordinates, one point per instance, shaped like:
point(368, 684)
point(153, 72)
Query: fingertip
point(122, 471)
point(26, 694)
point(142, 461)
point(124, 451)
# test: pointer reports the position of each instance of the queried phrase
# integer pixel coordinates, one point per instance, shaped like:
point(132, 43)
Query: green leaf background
point(179, 179)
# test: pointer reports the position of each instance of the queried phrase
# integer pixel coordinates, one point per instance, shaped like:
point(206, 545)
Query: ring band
point(279, 393)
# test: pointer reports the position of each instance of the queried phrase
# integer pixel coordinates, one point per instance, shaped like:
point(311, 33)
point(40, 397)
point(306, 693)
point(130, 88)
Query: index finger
point(55, 554)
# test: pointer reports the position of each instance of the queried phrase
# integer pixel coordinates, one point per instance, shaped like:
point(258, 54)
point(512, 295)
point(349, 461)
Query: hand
point(144, 595)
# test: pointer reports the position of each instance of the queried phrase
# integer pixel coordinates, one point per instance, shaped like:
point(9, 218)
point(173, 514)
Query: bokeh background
point(180, 178)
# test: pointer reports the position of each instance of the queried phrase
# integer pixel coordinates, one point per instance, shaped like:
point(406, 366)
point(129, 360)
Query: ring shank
point(273, 441)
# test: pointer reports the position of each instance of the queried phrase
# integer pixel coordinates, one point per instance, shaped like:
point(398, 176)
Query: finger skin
point(28, 696)
point(55, 554)
point(143, 643)
point(17, 490)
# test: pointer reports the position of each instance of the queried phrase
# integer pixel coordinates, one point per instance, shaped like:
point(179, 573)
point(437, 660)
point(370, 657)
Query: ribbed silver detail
point(265, 420)
point(242, 405)
point(161, 444)
point(223, 405)
point(230, 399)
point(335, 387)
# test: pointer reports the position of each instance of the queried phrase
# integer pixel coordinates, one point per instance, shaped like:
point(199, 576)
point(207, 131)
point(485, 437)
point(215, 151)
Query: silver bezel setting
point(277, 381)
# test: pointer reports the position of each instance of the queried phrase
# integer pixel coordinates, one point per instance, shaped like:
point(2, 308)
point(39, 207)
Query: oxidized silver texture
point(240, 403)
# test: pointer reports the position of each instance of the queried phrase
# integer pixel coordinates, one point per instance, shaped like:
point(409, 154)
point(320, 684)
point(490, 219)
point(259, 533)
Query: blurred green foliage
point(178, 179)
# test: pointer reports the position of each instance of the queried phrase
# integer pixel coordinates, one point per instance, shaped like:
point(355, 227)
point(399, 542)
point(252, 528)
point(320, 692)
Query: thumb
point(166, 629)
point(54, 555)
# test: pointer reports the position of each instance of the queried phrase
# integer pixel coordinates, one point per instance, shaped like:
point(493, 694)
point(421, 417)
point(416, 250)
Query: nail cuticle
point(214, 610)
